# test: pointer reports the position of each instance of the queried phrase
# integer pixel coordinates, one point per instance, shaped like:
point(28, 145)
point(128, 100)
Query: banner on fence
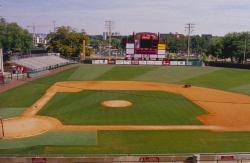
point(142, 62)
point(158, 62)
point(127, 62)
point(135, 62)
point(153, 56)
point(119, 62)
point(181, 63)
point(99, 61)
point(166, 62)
point(150, 62)
point(173, 63)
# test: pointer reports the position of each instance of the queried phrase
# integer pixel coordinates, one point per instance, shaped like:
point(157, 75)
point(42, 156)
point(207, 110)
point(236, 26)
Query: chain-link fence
point(8, 77)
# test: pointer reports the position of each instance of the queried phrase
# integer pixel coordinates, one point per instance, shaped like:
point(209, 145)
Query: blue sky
point(210, 16)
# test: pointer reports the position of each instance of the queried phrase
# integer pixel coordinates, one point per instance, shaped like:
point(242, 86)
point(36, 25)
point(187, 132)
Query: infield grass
point(149, 108)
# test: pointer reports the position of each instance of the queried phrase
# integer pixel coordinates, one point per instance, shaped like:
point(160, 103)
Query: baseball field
point(110, 109)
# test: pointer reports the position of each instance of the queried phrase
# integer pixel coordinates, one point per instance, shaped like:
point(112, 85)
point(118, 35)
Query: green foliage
point(67, 42)
point(216, 47)
point(116, 43)
point(234, 45)
point(13, 38)
point(179, 44)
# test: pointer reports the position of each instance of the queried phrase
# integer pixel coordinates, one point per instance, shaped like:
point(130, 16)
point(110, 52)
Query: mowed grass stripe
point(225, 79)
point(52, 138)
point(125, 72)
point(160, 142)
point(25, 95)
point(149, 108)
point(89, 72)
point(173, 74)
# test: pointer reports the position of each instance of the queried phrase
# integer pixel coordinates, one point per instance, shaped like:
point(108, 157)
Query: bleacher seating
point(42, 63)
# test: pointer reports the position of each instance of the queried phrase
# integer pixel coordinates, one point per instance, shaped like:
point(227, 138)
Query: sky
point(216, 17)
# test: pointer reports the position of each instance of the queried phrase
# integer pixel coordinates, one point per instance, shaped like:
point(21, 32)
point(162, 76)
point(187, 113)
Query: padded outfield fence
point(147, 62)
point(228, 65)
point(191, 158)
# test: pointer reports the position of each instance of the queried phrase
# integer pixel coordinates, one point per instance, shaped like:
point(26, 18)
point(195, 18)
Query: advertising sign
point(161, 47)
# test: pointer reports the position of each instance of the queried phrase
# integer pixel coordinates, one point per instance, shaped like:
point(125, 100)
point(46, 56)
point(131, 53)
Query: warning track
point(227, 111)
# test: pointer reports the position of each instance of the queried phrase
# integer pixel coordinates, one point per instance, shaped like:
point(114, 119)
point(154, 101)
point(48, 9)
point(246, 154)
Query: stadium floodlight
point(108, 26)
point(189, 28)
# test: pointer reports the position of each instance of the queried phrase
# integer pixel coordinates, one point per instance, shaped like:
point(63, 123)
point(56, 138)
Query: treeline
point(13, 38)
point(234, 46)
point(68, 42)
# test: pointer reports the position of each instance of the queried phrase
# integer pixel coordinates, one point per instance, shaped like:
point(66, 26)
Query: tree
point(13, 38)
point(216, 47)
point(125, 40)
point(68, 42)
point(234, 45)
point(115, 42)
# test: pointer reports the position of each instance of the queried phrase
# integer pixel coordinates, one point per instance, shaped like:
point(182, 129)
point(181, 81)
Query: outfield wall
point(228, 65)
point(148, 62)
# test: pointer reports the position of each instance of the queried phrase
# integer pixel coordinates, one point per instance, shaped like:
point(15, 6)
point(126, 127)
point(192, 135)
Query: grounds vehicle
point(146, 46)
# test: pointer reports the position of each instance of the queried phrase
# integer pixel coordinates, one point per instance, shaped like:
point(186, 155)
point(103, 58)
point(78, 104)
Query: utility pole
point(33, 32)
point(189, 28)
point(245, 51)
point(108, 26)
point(83, 54)
point(54, 26)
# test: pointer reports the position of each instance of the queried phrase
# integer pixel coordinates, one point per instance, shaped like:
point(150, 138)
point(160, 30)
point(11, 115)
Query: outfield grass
point(26, 94)
point(220, 78)
point(226, 79)
point(149, 108)
point(52, 138)
point(15, 100)
point(147, 142)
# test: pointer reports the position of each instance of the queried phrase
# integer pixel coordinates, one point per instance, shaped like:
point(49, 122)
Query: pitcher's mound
point(116, 103)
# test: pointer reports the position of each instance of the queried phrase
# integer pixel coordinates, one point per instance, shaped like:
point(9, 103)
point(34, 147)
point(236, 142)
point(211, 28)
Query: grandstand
point(41, 63)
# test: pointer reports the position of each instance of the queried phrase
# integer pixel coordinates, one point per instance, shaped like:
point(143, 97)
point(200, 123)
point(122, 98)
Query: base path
point(227, 111)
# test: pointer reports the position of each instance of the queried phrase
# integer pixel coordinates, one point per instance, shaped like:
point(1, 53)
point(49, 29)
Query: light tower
point(189, 28)
point(108, 26)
